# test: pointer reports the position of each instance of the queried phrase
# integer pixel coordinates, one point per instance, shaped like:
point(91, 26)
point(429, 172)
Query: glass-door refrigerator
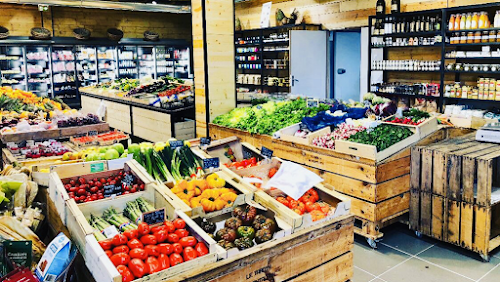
point(164, 61)
point(182, 62)
point(12, 68)
point(127, 61)
point(107, 63)
point(146, 61)
point(64, 83)
point(38, 70)
point(86, 65)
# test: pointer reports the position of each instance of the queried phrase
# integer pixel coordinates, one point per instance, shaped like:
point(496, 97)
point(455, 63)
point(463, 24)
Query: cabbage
point(368, 96)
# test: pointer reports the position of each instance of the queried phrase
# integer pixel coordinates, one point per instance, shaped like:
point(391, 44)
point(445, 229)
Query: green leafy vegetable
point(382, 136)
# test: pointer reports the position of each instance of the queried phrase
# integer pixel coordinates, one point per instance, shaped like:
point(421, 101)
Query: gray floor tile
point(496, 253)
point(361, 276)
point(493, 276)
point(459, 260)
point(405, 240)
point(376, 261)
point(415, 270)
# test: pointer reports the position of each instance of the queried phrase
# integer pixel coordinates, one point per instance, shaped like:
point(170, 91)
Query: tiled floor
point(402, 257)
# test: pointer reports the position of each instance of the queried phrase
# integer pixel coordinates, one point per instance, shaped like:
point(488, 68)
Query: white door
point(308, 63)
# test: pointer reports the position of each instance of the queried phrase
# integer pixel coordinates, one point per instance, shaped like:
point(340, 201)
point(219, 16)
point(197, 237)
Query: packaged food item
point(56, 260)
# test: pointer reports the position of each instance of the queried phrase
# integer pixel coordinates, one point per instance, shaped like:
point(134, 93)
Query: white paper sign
point(110, 231)
point(265, 15)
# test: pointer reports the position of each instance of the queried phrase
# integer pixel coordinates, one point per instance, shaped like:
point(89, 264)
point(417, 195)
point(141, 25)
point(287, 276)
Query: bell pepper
point(246, 232)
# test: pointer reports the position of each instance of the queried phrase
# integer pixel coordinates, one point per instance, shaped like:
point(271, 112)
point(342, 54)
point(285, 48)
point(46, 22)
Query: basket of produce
point(4, 32)
point(151, 35)
point(115, 34)
point(81, 33)
point(40, 33)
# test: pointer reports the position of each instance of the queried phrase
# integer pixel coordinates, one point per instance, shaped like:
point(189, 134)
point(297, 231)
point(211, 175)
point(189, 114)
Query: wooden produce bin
point(455, 193)
point(9, 158)
point(379, 191)
point(424, 129)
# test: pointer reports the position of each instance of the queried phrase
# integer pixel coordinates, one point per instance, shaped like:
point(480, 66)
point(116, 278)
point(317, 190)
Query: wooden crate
point(365, 182)
point(42, 178)
point(151, 125)
point(455, 193)
point(287, 134)
point(57, 133)
point(184, 130)
point(87, 170)
point(424, 129)
point(9, 158)
point(117, 115)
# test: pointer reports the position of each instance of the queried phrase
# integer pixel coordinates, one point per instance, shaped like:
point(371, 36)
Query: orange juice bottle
point(451, 23)
point(463, 19)
point(482, 20)
point(468, 21)
point(457, 22)
point(475, 19)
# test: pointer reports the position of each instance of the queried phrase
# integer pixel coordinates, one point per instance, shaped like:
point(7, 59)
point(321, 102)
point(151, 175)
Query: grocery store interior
point(250, 140)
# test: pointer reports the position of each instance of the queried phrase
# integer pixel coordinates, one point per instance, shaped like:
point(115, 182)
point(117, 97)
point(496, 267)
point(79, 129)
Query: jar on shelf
point(447, 90)
point(480, 94)
point(463, 38)
point(477, 37)
point(470, 37)
point(474, 94)
point(498, 36)
point(491, 94)
point(465, 92)
point(485, 37)
point(493, 36)
point(492, 84)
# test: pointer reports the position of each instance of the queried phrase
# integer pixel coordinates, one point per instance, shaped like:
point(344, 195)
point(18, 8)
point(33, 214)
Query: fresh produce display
point(19, 101)
point(269, 117)
point(245, 228)
point(35, 150)
point(102, 138)
point(246, 163)
point(411, 117)
point(12, 229)
point(87, 188)
point(342, 132)
point(208, 193)
point(308, 203)
point(78, 121)
point(383, 136)
point(165, 163)
point(132, 215)
point(138, 252)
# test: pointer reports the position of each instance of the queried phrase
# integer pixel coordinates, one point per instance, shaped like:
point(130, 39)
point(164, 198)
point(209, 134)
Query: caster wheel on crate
point(485, 258)
point(418, 234)
point(372, 243)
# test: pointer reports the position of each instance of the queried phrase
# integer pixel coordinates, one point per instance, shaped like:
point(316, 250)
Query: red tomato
point(108, 253)
point(106, 244)
point(152, 250)
point(272, 172)
point(173, 238)
point(138, 268)
point(158, 228)
point(126, 274)
point(143, 228)
point(310, 206)
point(201, 249)
point(148, 240)
point(161, 236)
point(154, 264)
point(284, 201)
point(131, 234)
point(121, 249)
point(182, 233)
point(188, 241)
point(134, 244)
point(175, 259)
point(138, 253)
point(170, 226)
point(164, 261)
point(177, 248)
point(189, 254)
point(179, 223)
point(120, 239)
point(120, 258)
point(165, 248)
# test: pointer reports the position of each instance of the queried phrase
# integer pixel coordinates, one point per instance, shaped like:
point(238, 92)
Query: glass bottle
point(437, 26)
point(451, 23)
point(457, 22)
point(463, 20)
point(422, 24)
point(475, 19)
point(395, 6)
point(427, 23)
point(380, 6)
point(412, 25)
point(482, 20)
point(468, 21)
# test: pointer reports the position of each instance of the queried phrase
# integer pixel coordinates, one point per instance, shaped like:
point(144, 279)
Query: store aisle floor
point(402, 257)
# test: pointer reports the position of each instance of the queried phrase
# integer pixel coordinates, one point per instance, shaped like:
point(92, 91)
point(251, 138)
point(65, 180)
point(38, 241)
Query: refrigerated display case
point(146, 61)
point(38, 70)
point(106, 63)
point(182, 60)
point(12, 67)
point(127, 61)
point(164, 61)
point(64, 82)
point(86, 65)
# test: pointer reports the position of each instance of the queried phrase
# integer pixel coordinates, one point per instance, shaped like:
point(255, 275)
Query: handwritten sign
point(265, 14)
point(110, 190)
point(266, 152)
point(154, 217)
point(110, 231)
point(205, 140)
point(128, 179)
point(93, 133)
point(176, 144)
point(312, 103)
point(211, 163)
point(247, 154)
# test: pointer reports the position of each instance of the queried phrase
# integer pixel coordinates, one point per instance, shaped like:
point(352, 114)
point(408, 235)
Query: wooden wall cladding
point(336, 14)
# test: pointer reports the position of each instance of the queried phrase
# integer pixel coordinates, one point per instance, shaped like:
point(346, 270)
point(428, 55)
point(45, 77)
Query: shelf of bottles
point(12, 66)
point(182, 67)
point(86, 65)
point(164, 61)
point(64, 74)
point(127, 62)
point(107, 63)
point(38, 70)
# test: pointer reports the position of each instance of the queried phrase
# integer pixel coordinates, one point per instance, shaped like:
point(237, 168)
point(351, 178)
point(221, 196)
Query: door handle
point(341, 71)
point(293, 80)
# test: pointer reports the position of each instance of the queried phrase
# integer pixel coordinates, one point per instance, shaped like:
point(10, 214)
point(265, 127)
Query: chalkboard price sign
point(154, 217)
point(93, 133)
point(205, 140)
point(266, 152)
point(247, 154)
point(176, 144)
point(128, 179)
point(109, 190)
point(312, 103)
point(211, 163)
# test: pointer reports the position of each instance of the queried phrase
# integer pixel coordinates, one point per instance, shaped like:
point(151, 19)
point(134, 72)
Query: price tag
point(266, 152)
point(96, 167)
point(205, 140)
point(128, 179)
point(211, 163)
point(154, 217)
point(176, 144)
point(247, 154)
point(93, 133)
point(110, 231)
point(109, 190)
point(312, 103)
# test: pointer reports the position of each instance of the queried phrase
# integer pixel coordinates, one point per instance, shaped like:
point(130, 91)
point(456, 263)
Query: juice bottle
point(482, 20)
point(451, 23)
point(475, 19)
point(457, 22)
point(468, 21)
point(463, 20)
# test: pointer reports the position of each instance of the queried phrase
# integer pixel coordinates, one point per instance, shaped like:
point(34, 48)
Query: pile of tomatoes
point(309, 203)
point(175, 91)
point(407, 120)
point(142, 251)
point(251, 162)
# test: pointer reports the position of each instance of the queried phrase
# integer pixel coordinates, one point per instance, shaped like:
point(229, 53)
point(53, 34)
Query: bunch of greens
point(416, 114)
point(382, 136)
point(269, 117)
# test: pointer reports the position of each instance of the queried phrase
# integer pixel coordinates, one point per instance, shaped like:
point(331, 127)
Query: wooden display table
point(455, 193)
point(141, 120)
point(57, 133)
point(379, 191)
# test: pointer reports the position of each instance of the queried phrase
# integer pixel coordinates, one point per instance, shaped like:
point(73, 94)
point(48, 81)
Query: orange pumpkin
point(228, 199)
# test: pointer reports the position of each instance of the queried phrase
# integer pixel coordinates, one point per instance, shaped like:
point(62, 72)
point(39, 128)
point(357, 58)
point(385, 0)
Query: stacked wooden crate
point(455, 193)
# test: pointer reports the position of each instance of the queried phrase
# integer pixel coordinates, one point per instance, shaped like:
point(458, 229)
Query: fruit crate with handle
point(429, 126)
point(455, 193)
point(87, 171)
point(103, 269)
